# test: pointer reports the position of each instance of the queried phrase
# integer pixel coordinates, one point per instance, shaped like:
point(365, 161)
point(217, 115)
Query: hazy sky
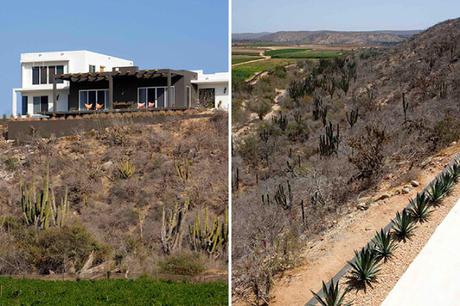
point(185, 34)
point(278, 15)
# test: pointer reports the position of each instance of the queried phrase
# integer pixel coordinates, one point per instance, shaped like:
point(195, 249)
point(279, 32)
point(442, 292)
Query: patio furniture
point(99, 106)
point(140, 106)
point(88, 106)
point(151, 104)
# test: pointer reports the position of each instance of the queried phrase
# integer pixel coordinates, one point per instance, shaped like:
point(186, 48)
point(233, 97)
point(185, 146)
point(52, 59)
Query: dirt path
point(264, 58)
point(323, 258)
point(247, 128)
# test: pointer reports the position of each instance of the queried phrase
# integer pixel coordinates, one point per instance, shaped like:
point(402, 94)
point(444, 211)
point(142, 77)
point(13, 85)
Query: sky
point(351, 15)
point(178, 34)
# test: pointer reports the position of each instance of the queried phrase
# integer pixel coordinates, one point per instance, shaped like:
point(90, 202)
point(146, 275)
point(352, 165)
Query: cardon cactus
point(40, 209)
point(171, 227)
point(211, 239)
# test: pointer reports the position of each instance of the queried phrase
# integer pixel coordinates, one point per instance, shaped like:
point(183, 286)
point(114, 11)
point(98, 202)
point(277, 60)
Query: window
point(40, 104)
point(45, 74)
point(92, 69)
point(157, 95)
point(93, 97)
point(25, 101)
point(35, 75)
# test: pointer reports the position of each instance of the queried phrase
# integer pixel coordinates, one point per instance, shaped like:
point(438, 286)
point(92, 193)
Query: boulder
point(415, 183)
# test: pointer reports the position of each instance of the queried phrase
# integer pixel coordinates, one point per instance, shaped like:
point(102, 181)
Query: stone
point(383, 196)
point(107, 165)
point(362, 206)
point(415, 183)
point(405, 190)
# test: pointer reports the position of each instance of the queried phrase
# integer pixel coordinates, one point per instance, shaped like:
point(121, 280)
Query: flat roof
point(100, 76)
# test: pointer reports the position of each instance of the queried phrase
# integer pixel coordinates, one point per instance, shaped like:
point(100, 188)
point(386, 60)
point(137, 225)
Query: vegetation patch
point(111, 292)
point(303, 53)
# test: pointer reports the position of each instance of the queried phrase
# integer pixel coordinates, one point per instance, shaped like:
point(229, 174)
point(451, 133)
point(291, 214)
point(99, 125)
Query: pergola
point(109, 76)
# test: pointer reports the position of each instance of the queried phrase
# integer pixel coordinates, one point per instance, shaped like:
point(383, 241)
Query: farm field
point(303, 53)
point(110, 292)
point(237, 59)
point(243, 72)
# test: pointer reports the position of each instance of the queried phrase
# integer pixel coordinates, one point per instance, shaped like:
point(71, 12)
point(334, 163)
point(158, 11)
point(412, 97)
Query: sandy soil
point(392, 270)
point(324, 257)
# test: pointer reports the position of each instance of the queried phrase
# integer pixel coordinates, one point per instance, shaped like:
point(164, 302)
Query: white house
point(213, 88)
point(38, 69)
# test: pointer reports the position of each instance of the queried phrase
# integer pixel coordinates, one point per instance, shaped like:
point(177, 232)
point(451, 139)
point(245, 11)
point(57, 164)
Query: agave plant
point(455, 171)
point(331, 295)
point(364, 269)
point(440, 188)
point(403, 226)
point(420, 209)
point(384, 245)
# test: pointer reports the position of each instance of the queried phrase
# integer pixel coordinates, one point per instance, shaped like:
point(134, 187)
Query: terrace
point(125, 89)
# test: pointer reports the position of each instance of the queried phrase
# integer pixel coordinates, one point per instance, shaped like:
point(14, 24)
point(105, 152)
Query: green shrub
point(126, 169)
point(260, 107)
point(403, 225)
point(183, 264)
point(54, 248)
point(420, 209)
point(384, 245)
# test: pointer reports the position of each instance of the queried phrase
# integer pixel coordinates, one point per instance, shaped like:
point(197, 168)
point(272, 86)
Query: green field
point(244, 72)
point(236, 59)
point(302, 53)
point(110, 292)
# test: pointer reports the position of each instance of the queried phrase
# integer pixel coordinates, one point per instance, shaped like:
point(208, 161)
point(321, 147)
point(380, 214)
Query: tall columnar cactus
point(284, 198)
point(352, 117)
point(40, 209)
point(329, 143)
point(183, 169)
point(405, 106)
point(211, 239)
point(281, 121)
point(171, 227)
point(317, 108)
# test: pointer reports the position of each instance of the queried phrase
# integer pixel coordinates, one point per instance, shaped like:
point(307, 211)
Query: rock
point(10, 141)
point(405, 189)
point(415, 183)
point(383, 196)
point(362, 206)
point(107, 165)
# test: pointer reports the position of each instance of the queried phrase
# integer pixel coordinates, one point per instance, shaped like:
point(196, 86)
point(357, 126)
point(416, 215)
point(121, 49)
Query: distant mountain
point(325, 37)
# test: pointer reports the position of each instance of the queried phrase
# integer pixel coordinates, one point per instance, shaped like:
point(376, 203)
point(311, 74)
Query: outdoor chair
point(151, 104)
point(99, 106)
point(140, 105)
point(88, 106)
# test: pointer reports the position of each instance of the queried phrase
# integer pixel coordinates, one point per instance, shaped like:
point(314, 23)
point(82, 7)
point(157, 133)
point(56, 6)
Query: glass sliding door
point(96, 97)
point(40, 104)
point(154, 96)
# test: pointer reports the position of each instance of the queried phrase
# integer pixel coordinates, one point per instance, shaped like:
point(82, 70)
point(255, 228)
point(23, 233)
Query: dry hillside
point(124, 199)
point(344, 126)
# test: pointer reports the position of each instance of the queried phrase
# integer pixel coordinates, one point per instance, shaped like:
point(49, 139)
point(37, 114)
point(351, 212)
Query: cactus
point(237, 179)
point(126, 169)
point(318, 105)
point(264, 135)
point(39, 208)
point(329, 143)
point(281, 121)
point(211, 239)
point(183, 169)
point(352, 117)
point(283, 198)
point(266, 199)
point(302, 207)
point(171, 227)
point(405, 106)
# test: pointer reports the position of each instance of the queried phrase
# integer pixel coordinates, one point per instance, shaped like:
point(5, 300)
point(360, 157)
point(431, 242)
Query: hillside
point(346, 130)
point(131, 199)
point(358, 38)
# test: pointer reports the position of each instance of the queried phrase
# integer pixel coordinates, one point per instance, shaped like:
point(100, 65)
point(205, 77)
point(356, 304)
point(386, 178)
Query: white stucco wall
point(221, 91)
point(73, 62)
